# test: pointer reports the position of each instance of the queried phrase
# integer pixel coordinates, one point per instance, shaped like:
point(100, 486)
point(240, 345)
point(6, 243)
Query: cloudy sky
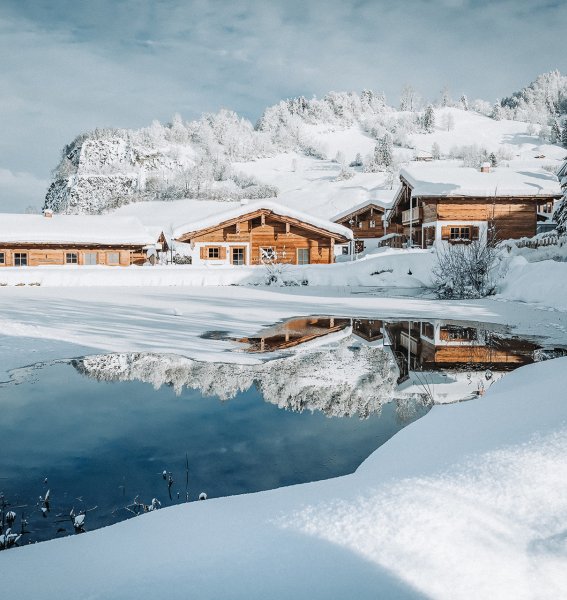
point(71, 65)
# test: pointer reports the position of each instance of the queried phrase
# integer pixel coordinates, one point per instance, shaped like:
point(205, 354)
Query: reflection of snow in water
point(344, 380)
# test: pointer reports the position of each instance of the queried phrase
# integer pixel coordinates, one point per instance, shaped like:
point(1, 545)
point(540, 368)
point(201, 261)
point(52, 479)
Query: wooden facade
point(262, 236)
point(463, 219)
point(368, 223)
point(35, 255)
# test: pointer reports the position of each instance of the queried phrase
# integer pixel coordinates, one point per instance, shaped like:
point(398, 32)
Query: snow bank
point(372, 270)
point(543, 282)
point(466, 503)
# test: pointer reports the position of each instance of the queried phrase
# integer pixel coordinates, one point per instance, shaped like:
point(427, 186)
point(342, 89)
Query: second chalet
point(459, 204)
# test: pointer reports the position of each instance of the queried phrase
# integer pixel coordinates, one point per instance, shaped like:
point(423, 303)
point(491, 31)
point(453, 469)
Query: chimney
point(48, 213)
point(485, 167)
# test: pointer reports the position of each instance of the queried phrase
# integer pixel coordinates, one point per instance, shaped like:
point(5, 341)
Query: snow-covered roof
point(73, 229)
point(437, 179)
point(383, 198)
point(245, 209)
point(562, 173)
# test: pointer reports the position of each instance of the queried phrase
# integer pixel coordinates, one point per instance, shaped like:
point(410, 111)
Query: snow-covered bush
point(466, 270)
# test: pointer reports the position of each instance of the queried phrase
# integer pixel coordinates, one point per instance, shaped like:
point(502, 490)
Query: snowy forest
point(106, 168)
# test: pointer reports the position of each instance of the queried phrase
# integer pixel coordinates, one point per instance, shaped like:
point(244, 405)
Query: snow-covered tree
point(384, 152)
point(435, 151)
point(429, 119)
point(446, 97)
point(564, 135)
point(357, 162)
point(464, 102)
point(497, 111)
point(493, 160)
point(408, 99)
point(448, 121)
point(555, 133)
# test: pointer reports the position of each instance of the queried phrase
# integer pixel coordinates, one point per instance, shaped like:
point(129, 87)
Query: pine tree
point(493, 160)
point(564, 136)
point(464, 102)
point(384, 152)
point(429, 119)
point(555, 135)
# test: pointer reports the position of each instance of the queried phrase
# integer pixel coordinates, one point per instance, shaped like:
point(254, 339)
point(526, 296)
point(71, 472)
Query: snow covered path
point(38, 324)
point(468, 502)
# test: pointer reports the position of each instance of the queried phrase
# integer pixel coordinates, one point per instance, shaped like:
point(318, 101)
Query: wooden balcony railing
point(413, 215)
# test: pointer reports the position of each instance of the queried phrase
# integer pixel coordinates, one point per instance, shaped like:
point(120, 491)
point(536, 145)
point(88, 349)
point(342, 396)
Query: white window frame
point(236, 249)
point(2, 258)
point(71, 254)
point(306, 251)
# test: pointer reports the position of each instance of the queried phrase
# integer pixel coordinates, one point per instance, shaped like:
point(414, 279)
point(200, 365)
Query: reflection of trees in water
point(338, 381)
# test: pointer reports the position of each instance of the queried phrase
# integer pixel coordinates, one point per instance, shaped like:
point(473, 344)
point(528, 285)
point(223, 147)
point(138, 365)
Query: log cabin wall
point(266, 232)
point(36, 256)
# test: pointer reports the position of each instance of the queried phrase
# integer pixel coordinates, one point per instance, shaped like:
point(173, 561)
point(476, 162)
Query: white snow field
point(468, 502)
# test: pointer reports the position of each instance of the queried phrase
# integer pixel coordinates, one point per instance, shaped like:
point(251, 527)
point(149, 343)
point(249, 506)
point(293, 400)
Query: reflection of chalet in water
point(293, 332)
point(431, 346)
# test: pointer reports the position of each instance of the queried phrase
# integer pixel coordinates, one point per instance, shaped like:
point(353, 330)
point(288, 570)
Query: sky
point(68, 66)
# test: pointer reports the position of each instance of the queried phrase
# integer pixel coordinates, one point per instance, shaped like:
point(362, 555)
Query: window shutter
point(446, 232)
point(222, 253)
point(474, 233)
point(203, 252)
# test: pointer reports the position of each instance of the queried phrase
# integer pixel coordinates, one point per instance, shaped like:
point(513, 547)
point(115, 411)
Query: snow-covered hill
point(317, 155)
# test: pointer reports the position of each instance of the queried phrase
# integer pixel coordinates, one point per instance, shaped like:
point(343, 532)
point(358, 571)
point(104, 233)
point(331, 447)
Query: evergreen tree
point(564, 136)
point(555, 135)
point(357, 162)
point(384, 152)
point(493, 160)
point(429, 119)
point(464, 102)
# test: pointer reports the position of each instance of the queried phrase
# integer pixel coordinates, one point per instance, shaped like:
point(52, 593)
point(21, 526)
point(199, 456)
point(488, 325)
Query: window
point(372, 224)
point(345, 249)
point(303, 256)
point(71, 258)
point(20, 259)
point(2, 258)
point(213, 253)
point(460, 233)
point(238, 256)
point(113, 258)
point(267, 254)
point(89, 258)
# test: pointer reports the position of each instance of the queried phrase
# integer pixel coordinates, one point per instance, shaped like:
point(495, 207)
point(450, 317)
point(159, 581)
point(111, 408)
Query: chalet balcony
point(413, 216)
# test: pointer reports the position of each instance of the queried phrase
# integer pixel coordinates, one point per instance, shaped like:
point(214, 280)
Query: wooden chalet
point(258, 233)
point(48, 239)
point(458, 205)
point(369, 225)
